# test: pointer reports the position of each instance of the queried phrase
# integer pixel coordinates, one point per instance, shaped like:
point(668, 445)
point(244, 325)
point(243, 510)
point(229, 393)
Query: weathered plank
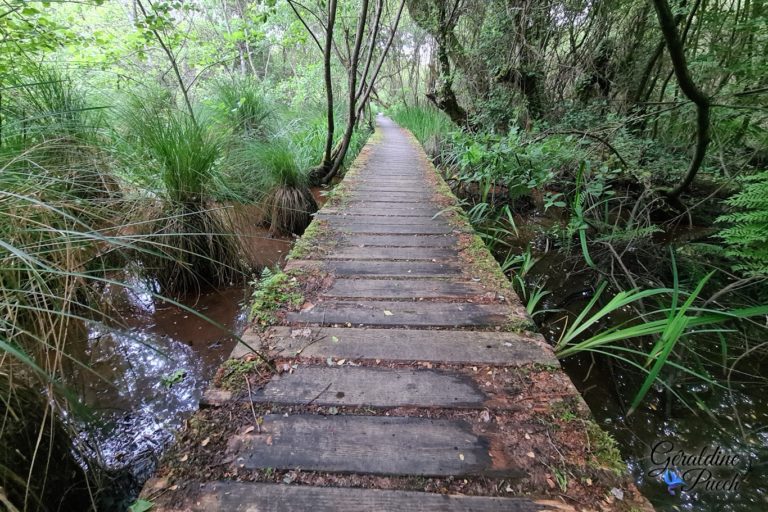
point(377, 220)
point(394, 210)
point(388, 184)
point(376, 387)
point(417, 314)
point(391, 253)
point(381, 445)
point(392, 229)
point(405, 269)
point(256, 497)
point(404, 289)
point(399, 240)
point(373, 199)
point(497, 348)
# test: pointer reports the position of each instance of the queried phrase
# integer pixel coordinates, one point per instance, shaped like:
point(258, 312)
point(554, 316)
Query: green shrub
point(188, 242)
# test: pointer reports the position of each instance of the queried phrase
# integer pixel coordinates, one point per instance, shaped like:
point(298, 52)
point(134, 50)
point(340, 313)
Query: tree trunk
point(354, 61)
point(691, 91)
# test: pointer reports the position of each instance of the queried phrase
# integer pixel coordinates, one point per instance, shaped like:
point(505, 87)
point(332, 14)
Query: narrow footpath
point(408, 375)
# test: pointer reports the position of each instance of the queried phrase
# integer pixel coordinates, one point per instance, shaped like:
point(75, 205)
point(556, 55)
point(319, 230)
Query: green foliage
point(489, 161)
point(746, 238)
point(141, 506)
point(668, 324)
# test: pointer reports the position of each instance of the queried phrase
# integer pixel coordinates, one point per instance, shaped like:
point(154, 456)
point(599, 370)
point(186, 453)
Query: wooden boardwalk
point(408, 377)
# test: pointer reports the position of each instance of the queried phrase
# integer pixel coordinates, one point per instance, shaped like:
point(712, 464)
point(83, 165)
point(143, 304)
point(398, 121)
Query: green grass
point(172, 151)
point(274, 291)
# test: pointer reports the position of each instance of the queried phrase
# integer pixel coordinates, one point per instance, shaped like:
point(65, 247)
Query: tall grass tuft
point(668, 326)
point(241, 105)
point(190, 238)
point(280, 170)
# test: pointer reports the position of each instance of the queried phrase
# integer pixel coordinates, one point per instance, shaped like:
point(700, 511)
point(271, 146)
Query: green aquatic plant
point(667, 325)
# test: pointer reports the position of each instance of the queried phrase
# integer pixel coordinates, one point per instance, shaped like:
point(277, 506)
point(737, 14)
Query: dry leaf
point(387, 312)
point(531, 455)
point(205, 441)
point(461, 456)
point(249, 430)
point(184, 458)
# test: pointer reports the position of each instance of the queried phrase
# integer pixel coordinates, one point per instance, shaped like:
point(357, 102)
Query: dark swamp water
point(145, 372)
point(722, 431)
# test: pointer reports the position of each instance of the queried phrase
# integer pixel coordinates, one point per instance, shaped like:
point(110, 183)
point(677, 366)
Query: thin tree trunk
point(174, 65)
point(385, 51)
point(327, 156)
point(691, 91)
point(352, 107)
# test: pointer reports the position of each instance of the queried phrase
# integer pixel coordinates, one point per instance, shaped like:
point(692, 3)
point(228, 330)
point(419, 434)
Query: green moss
point(309, 243)
point(565, 410)
point(234, 371)
point(603, 449)
point(273, 293)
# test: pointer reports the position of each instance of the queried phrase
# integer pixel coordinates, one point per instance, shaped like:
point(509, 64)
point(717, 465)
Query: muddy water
point(145, 372)
point(733, 419)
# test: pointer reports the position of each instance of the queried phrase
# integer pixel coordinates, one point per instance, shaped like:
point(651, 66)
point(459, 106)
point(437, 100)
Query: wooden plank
point(404, 289)
point(391, 253)
point(392, 229)
point(374, 198)
point(399, 240)
point(497, 348)
point(417, 314)
point(380, 445)
point(404, 269)
point(388, 184)
point(233, 496)
point(375, 387)
point(394, 212)
point(403, 189)
point(378, 220)
point(393, 209)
